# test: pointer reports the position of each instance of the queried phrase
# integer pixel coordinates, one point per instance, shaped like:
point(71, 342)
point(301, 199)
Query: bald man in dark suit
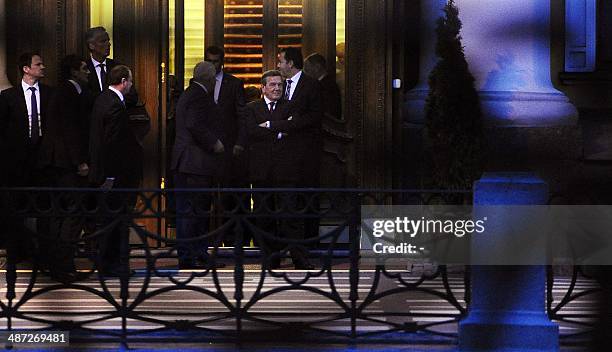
point(197, 160)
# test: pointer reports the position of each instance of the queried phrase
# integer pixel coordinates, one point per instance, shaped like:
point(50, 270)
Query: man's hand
point(108, 183)
point(238, 149)
point(218, 147)
point(83, 169)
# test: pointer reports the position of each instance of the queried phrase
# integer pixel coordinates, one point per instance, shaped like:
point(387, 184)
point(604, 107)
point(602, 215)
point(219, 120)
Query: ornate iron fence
point(343, 299)
point(340, 300)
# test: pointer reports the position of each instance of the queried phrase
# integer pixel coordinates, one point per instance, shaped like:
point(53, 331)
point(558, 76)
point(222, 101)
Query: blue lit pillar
point(508, 307)
point(507, 46)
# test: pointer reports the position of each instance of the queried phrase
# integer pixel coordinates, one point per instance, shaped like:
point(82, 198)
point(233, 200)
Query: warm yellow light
point(101, 14)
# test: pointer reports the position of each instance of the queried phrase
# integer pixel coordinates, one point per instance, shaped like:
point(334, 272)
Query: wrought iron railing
point(341, 299)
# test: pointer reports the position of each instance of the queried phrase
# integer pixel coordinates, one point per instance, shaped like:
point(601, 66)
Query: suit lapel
point(44, 99)
point(298, 89)
point(222, 90)
point(94, 83)
point(23, 108)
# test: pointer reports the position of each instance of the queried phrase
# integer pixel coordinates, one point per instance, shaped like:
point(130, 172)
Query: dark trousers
point(192, 215)
point(117, 235)
point(65, 229)
point(235, 175)
point(288, 227)
point(310, 178)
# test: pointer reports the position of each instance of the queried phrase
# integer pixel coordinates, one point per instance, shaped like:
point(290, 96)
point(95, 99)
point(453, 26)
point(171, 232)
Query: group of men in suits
point(75, 135)
point(213, 127)
point(79, 135)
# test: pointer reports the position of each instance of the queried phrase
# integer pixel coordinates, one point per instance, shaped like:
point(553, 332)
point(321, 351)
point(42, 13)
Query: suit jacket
point(330, 96)
point(271, 158)
point(306, 100)
point(131, 99)
point(231, 101)
point(67, 142)
point(114, 150)
point(198, 127)
point(19, 155)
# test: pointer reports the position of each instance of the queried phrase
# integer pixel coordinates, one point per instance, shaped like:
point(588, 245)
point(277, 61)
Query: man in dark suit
point(315, 66)
point(23, 123)
point(24, 111)
point(23, 118)
point(229, 96)
point(64, 156)
point(196, 160)
point(275, 141)
point(303, 92)
point(112, 146)
point(99, 65)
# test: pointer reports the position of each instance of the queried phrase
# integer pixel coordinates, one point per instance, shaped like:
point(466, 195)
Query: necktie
point(217, 90)
point(271, 106)
point(287, 96)
point(102, 76)
point(35, 124)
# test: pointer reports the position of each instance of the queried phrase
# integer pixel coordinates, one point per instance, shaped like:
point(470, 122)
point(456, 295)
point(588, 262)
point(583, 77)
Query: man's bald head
point(203, 72)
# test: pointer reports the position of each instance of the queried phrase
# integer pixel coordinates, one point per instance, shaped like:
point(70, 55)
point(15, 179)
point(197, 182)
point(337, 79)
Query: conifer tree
point(453, 120)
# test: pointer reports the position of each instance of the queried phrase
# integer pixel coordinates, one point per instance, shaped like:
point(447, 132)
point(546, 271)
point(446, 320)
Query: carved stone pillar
point(507, 45)
point(4, 82)
point(529, 124)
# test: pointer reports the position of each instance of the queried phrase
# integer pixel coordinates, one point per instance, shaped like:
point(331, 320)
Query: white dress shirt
point(218, 81)
point(268, 101)
point(98, 69)
point(76, 85)
point(28, 100)
point(294, 81)
point(119, 94)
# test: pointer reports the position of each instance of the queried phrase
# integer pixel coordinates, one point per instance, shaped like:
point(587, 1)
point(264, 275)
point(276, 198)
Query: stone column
point(529, 123)
point(508, 309)
point(4, 82)
point(507, 46)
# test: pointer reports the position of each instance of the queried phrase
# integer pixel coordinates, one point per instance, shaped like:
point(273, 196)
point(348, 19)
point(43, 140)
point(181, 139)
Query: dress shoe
point(191, 264)
point(303, 264)
point(199, 264)
point(115, 271)
point(65, 277)
point(273, 263)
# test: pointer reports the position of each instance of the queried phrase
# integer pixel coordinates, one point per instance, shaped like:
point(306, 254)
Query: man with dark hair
point(112, 150)
point(67, 147)
point(99, 65)
point(196, 160)
point(24, 110)
point(274, 163)
point(315, 66)
point(229, 96)
point(64, 156)
point(304, 93)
